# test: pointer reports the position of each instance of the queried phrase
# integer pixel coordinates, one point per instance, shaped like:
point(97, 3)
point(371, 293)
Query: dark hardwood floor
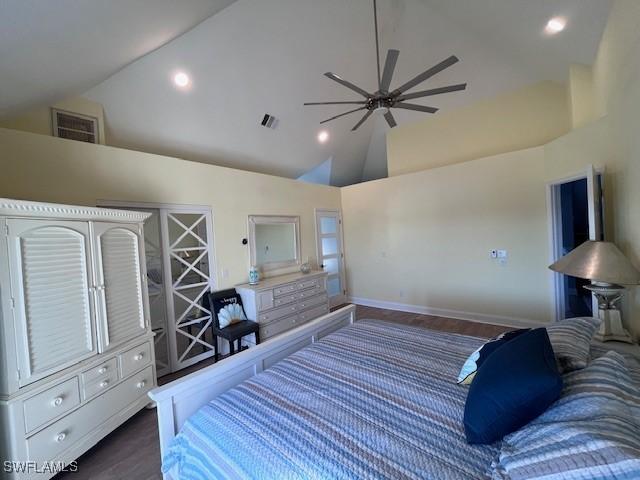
point(132, 451)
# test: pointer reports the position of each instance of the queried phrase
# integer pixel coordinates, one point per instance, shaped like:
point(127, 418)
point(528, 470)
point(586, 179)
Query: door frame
point(342, 298)
point(207, 210)
point(554, 219)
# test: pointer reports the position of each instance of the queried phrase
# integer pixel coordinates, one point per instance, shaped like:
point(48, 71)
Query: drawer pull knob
point(102, 370)
point(104, 384)
point(141, 384)
point(57, 401)
point(138, 357)
point(60, 437)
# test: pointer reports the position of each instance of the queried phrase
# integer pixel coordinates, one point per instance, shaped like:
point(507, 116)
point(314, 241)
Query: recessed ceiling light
point(181, 80)
point(555, 25)
point(323, 136)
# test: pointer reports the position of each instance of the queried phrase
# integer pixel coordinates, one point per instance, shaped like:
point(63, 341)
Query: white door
point(331, 254)
point(119, 283)
point(51, 278)
point(188, 260)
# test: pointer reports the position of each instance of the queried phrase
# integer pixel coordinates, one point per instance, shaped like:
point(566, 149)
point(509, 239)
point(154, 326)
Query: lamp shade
point(600, 262)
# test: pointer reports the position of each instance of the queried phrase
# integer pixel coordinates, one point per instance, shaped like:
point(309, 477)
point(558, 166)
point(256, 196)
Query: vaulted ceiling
point(250, 57)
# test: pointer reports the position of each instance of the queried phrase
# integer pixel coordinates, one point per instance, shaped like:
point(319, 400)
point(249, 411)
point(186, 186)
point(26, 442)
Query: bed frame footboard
point(179, 399)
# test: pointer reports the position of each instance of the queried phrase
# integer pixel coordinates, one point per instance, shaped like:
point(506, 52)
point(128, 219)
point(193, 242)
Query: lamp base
point(611, 328)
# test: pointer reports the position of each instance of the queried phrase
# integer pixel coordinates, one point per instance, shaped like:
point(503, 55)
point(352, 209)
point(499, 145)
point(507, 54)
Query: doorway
point(330, 253)
point(577, 215)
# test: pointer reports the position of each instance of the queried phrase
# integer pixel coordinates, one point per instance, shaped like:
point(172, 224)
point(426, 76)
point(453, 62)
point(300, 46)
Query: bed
point(370, 400)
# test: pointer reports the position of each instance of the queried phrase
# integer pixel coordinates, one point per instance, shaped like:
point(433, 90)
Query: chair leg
point(231, 348)
point(215, 348)
point(257, 338)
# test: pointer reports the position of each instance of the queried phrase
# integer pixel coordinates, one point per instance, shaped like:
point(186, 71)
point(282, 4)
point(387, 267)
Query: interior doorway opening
point(577, 215)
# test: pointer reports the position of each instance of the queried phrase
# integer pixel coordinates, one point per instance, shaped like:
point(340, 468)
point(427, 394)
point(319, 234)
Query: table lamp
point(606, 266)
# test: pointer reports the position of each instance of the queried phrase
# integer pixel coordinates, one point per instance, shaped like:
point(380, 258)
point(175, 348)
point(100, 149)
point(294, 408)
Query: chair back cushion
point(226, 308)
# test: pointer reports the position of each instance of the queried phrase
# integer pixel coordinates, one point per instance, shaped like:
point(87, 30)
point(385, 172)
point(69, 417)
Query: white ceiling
point(50, 49)
point(269, 56)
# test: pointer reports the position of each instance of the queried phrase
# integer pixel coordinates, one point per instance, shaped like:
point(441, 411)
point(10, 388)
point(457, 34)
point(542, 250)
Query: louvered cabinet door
point(53, 304)
point(121, 315)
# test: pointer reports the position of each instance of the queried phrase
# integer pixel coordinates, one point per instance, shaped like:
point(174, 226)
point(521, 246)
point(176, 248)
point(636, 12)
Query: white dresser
point(283, 302)
point(75, 345)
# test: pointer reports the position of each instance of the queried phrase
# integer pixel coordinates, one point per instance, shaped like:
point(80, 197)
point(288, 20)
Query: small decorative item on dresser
point(305, 267)
point(254, 275)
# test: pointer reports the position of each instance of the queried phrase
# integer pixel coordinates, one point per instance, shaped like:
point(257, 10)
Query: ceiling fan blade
point(389, 118)
point(362, 120)
point(433, 91)
point(427, 74)
point(417, 108)
point(347, 84)
point(337, 103)
point(343, 114)
point(389, 67)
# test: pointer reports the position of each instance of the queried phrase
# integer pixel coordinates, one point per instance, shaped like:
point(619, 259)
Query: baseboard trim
point(442, 312)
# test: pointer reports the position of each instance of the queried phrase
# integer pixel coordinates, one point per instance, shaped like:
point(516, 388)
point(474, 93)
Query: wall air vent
point(74, 126)
point(269, 121)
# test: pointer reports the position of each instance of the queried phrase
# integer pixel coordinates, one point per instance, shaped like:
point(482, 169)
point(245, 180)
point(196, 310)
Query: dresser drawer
point(310, 293)
point(51, 403)
point(285, 289)
point(99, 384)
point(312, 313)
point(311, 283)
point(61, 435)
point(264, 300)
point(134, 359)
point(277, 313)
point(285, 299)
point(278, 327)
point(100, 371)
point(312, 302)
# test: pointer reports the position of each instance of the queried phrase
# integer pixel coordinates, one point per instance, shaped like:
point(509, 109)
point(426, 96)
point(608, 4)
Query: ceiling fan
point(385, 99)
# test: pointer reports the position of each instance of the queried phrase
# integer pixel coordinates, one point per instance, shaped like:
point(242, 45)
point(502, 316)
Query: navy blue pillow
point(514, 385)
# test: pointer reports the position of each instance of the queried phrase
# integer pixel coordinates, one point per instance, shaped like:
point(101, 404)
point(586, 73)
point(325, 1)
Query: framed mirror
point(274, 241)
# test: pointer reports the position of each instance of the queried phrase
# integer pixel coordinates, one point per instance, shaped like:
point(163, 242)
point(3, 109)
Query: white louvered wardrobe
point(76, 346)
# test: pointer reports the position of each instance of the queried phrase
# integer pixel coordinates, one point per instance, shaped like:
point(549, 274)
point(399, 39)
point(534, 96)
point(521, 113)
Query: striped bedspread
point(372, 400)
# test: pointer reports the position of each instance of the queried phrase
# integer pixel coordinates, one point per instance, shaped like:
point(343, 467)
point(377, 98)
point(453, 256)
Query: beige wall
point(39, 120)
point(526, 118)
point(38, 167)
point(581, 95)
point(428, 234)
point(424, 238)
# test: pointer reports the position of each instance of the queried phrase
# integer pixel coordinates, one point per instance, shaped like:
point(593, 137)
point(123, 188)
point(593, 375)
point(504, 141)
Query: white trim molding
point(24, 208)
point(443, 312)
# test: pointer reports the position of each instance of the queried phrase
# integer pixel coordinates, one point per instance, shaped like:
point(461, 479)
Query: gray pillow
point(571, 341)
point(592, 431)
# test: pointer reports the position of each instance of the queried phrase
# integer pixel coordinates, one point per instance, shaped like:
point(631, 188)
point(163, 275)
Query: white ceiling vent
point(74, 126)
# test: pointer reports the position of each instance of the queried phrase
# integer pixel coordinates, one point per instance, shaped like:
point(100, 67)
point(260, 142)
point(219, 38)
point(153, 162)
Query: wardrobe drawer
point(311, 283)
point(100, 371)
point(264, 300)
point(99, 384)
point(312, 302)
point(278, 327)
point(284, 289)
point(276, 313)
point(134, 359)
point(285, 299)
point(61, 435)
point(51, 403)
point(315, 312)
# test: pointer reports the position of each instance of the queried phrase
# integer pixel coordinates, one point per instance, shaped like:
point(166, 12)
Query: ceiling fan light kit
point(385, 99)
